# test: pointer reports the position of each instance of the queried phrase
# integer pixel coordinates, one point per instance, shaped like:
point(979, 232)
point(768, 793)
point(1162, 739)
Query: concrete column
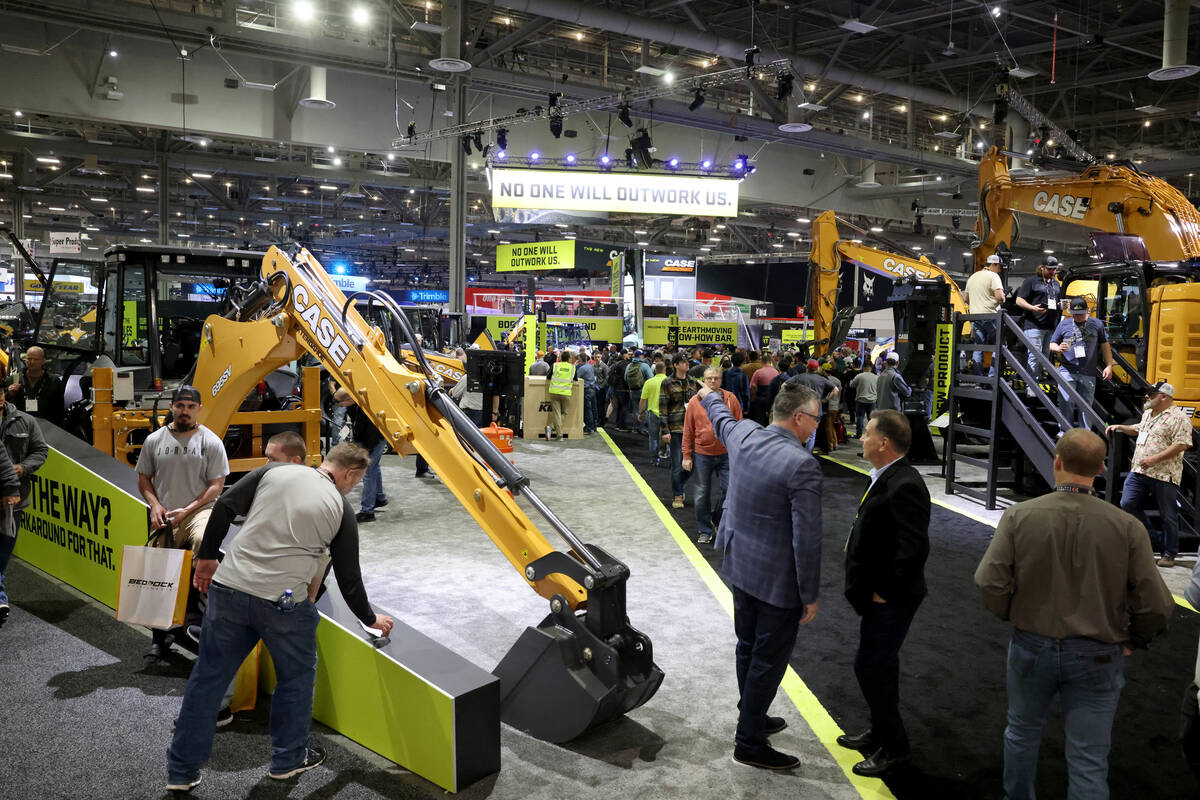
point(20, 201)
point(1018, 138)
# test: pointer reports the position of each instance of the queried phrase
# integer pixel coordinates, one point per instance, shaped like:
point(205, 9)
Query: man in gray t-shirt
point(181, 471)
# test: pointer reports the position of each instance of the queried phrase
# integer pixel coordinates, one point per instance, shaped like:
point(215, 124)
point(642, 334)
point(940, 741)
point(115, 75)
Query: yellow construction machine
point(1145, 287)
point(830, 250)
point(584, 664)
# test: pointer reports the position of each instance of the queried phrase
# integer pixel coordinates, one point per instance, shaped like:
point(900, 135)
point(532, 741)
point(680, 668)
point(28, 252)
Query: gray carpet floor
point(84, 716)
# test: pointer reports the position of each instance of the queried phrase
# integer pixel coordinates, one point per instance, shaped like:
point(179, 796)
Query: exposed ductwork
point(451, 59)
point(867, 179)
point(1175, 42)
point(684, 35)
point(317, 96)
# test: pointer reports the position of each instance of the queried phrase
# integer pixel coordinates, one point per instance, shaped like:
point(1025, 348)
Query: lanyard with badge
point(1080, 342)
point(1051, 295)
point(1144, 433)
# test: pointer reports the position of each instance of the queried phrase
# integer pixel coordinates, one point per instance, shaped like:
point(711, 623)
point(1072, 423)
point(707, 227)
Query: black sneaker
point(161, 647)
point(774, 725)
point(766, 757)
point(183, 786)
point(704, 538)
point(193, 632)
point(365, 516)
point(313, 758)
point(381, 503)
point(224, 717)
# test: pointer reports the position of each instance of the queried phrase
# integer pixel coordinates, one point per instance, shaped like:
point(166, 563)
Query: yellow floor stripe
point(818, 719)
point(1179, 601)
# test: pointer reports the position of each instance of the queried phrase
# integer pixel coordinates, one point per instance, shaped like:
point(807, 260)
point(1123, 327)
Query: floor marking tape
point(818, 719)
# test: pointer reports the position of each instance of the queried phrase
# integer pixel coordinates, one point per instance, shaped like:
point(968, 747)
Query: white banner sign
point(350, 283)
point(66, 243)
point(615, 191)
point(28, 245)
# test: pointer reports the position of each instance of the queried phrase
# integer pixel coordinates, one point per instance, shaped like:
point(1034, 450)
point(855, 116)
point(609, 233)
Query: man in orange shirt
point(701, 445)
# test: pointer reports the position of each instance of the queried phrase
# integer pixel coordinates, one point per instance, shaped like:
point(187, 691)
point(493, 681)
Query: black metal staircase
point(1007, 423)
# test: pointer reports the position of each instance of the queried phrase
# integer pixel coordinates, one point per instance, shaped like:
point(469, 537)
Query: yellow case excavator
point(584, 663)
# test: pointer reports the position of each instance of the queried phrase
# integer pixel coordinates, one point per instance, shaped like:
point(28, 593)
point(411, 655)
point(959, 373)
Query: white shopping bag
point(154, 586)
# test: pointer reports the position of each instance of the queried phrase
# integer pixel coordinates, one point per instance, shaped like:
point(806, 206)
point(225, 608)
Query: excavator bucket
point(578, 668)
point(559, 680)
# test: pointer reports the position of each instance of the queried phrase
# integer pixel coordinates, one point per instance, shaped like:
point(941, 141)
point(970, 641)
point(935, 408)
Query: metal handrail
point(1094, 419)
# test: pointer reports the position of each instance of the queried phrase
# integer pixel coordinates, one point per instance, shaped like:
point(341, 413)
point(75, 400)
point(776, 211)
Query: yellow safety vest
point(564, 375)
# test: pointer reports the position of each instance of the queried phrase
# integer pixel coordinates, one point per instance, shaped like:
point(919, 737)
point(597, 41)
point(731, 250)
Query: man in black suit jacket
point(885, 583)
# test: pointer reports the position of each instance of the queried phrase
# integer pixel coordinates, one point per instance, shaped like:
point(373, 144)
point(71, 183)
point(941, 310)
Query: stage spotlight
point(502, 138)
point(629, 157)
point(412, 129)
point(500, 155)
point(706, 164)
point(623, 115)
point(556, 121)
point(570, 158)
point(605, 161)
point(535, 155)
point(673, 163)
point(477, 138)
point(466, 144)
point(697, 100)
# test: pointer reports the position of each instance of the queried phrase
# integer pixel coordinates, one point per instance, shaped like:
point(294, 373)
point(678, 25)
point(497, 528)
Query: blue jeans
point(1086, 386)
point(983, 332)
point(336, 421)
point(862, 412)
point(705, 467)
point(7, 543)
point(635, 398)
point(654, 434)
point(766, 635)
point(589, 408)
point(233, 624)
point(1037, 342)
point(678, 476)
point(1088, 676)
point(1138, 489)
point(372, 485)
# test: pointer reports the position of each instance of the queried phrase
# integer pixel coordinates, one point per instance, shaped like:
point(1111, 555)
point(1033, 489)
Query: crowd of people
point(653, 392)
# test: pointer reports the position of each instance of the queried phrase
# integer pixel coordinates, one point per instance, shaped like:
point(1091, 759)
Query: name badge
point(1141, 437)
point(1080, 351)
point(1051, 304)
point(31, 405)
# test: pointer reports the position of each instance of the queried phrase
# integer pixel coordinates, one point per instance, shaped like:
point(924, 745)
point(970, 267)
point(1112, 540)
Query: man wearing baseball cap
point(1079, 340)
point(181, 472)
point(1039, 299)
point(985, 293)
point(1164, 433)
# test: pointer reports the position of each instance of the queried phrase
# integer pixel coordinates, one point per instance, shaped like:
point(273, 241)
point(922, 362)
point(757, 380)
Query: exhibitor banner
point(600, 329)
point(532, 256)
point(692, 332)
point(77, 524)
point(610, 191)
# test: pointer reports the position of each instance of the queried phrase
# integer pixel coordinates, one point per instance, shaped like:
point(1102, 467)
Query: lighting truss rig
point(604, 103)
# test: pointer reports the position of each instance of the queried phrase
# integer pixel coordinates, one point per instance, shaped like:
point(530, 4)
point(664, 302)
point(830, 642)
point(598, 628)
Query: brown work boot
point(1166, 561)
point(677, 502)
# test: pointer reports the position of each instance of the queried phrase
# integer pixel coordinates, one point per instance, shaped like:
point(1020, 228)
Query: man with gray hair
point(770, 534)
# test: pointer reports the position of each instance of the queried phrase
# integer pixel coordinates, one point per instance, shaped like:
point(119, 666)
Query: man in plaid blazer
point(771, 536)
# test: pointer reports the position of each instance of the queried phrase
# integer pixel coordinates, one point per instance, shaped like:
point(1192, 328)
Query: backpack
point(635, 379)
